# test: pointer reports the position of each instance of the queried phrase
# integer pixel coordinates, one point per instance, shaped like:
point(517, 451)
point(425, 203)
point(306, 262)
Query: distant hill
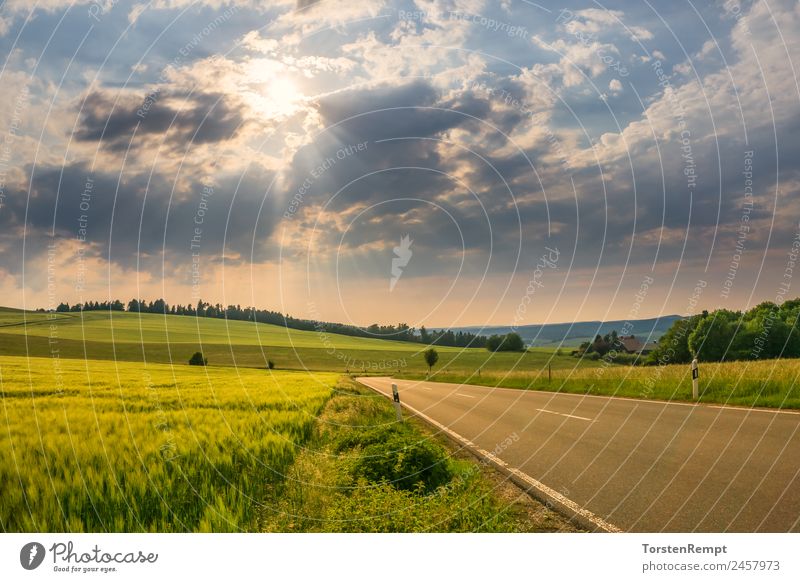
point(573, 334)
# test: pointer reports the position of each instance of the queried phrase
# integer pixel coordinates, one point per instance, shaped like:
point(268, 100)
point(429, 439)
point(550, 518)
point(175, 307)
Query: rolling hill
point(155, 338)
point(573, 334)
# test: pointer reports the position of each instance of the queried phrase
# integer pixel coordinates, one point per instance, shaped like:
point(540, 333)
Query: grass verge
point(363, 472)
point(766, 383)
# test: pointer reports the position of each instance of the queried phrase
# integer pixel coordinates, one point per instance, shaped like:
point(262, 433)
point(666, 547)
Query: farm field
point(768, 383)
point(125, 327)
point(167, 339)
point(151, 338)
point(90, 446)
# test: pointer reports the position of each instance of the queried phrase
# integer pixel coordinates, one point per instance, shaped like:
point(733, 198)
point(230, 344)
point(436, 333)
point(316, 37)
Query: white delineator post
point(396, 398)
point(695, 376)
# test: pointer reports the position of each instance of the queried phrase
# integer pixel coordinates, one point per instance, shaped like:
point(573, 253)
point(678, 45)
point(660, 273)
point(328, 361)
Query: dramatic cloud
point(196, 118)
point(316, 135)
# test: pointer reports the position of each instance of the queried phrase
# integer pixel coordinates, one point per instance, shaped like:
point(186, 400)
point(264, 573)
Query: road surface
point(637, 464)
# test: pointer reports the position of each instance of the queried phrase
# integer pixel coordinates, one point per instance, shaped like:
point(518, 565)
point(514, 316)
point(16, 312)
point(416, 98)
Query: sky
point(438, 162)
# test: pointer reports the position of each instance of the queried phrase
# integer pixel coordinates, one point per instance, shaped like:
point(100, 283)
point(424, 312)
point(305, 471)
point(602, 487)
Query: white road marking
point(464, 395)
point(564, 414)
point(543, 489)
point(637, 400)
point(746, 409)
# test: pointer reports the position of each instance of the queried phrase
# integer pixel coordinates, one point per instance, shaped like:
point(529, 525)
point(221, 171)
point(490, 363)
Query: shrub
point(511, 342)
point(197, 359)
point(405, 462)
point(270, 365)
point(366, 436)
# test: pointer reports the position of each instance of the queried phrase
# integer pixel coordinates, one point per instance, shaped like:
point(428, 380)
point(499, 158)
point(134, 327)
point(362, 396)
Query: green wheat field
point(105, 426)
point(115, 446)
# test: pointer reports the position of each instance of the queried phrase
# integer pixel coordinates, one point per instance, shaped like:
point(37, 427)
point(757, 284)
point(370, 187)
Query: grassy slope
point(165, 339)
point(123, 327)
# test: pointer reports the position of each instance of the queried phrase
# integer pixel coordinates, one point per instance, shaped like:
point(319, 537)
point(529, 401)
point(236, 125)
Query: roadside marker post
point(396, 398)
point(695, 376)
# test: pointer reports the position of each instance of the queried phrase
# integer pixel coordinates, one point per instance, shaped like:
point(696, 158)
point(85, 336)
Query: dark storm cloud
point(136, 223)
point(617, 219)
point(388, 112)
point(398, 127)
point(199, 118)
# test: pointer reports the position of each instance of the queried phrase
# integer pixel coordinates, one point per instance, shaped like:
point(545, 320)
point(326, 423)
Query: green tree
point(197, 359)
point(431, 357)
point(713, 335)
point(493, 342)
point(511, 342)
point(673, 346)
point(791, 314)
point(769, 335)
point(601, 345)
point(424, 336)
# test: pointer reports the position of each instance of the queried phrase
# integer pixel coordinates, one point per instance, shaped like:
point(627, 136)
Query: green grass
point(328, 489)
point(88, 446)
point(767, 383)
point(15, 317)
point(107, 428)
point(148, 328)
point(173, 339)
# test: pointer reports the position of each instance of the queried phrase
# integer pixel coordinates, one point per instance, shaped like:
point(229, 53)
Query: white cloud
point(761, 74)
point(597, 22)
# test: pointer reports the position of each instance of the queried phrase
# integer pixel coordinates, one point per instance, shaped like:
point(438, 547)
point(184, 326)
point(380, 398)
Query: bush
point(366, 436)
point(511, 342)
point(270, 365)
point(403, 461)
point(197, 359)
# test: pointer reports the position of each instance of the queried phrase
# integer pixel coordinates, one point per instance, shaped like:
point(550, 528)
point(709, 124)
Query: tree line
point(601, 345)
point(400, 332)
point(766, 331)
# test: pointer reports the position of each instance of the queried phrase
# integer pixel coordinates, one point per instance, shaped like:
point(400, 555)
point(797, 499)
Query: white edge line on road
point(543, 489)
point(628, 398)
point(565, 414)
point(746, 409)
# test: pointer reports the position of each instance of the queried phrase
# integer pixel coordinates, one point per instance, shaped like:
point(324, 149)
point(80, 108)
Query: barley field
point(93, 446)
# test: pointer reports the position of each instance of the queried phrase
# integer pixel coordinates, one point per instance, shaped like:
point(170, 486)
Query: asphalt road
point(640, 465)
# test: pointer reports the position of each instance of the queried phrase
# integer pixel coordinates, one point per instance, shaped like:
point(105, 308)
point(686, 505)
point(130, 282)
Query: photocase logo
point(31, 555)
point(403, 254)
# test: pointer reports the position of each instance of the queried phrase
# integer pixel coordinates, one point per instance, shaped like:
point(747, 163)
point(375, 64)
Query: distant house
point(633, 345)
